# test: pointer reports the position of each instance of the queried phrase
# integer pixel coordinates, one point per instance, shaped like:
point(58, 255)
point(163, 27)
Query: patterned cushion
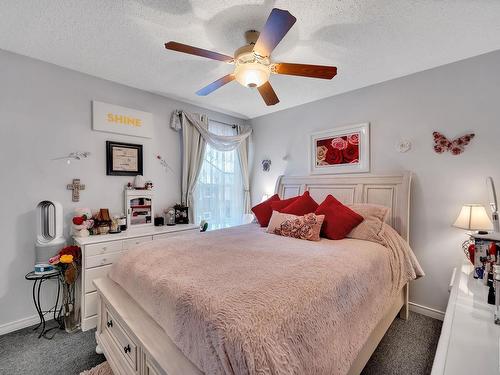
point(307, 227)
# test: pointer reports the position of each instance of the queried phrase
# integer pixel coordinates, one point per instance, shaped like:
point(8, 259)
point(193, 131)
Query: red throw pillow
point(263, 210)
point(280, 205)
point(339, 219)
point(301, 206)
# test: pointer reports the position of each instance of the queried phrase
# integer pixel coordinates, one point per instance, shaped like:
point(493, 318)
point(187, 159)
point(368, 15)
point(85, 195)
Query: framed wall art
point(123, 159)
point(121, 120)
point(341, 150)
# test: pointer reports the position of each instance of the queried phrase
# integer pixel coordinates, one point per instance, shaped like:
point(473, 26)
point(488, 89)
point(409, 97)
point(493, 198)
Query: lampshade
point(252, 70)
point(473, 217)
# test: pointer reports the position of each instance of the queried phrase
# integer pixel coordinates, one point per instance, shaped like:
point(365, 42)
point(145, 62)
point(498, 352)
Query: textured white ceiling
point(369, 41)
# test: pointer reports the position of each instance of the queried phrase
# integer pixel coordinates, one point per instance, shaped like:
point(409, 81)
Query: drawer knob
point(126, 349)
point(109, 323)
point(104, 260)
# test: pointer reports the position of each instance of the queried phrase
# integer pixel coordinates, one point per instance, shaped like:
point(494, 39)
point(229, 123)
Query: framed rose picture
point(123, 159)
point(341, 150)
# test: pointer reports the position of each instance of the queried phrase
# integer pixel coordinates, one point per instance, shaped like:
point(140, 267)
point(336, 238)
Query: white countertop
point(469, 342)
point(149, 230)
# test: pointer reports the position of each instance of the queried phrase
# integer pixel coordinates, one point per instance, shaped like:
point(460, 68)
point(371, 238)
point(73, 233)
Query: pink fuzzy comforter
point(242, 301)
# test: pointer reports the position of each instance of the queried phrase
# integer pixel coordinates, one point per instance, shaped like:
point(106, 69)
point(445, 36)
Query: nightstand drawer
point(102, 260)
point(95, 273)
point(128, 244)
point(103, 248)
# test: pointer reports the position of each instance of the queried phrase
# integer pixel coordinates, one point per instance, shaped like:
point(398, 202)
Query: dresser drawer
point(95, 273)
point(124, 343)
point(128, 244)
point(102, 260)
point(103, 248)
point(90, 304)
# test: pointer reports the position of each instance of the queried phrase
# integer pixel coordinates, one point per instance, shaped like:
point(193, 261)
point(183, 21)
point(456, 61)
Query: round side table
point(38, 280)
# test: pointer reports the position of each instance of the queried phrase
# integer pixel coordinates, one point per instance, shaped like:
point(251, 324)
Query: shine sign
point(116, 119)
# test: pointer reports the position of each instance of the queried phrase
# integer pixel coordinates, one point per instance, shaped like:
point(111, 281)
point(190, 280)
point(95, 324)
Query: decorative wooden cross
point(76, 187)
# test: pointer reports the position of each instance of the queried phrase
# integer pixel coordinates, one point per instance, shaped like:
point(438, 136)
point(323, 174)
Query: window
point(218, 195)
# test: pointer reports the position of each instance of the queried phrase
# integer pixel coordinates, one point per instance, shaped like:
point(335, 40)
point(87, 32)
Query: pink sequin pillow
point(307, 227)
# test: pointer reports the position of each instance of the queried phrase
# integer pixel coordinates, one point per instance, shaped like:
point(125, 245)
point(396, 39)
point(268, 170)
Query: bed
point(241, 300)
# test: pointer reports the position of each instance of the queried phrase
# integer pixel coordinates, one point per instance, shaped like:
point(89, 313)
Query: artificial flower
point(78, 220)
point(71, 250)
point(66, 258)
point(54, 260)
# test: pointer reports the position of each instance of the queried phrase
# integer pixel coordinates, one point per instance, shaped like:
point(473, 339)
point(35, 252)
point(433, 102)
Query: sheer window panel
point(218, 194)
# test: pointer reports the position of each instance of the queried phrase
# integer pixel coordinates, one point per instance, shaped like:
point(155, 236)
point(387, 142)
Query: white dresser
point(469, 342)
point(99, 252)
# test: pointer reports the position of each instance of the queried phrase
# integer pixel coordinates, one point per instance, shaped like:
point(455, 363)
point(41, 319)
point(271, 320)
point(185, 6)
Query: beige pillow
point(372, 226)
point(307, 227)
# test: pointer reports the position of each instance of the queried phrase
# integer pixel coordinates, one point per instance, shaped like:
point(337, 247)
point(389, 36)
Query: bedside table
point(469, 342)
point(98, 254)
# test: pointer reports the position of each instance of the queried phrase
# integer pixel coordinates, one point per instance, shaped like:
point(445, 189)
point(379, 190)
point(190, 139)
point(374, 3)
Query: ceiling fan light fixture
point(252, 71)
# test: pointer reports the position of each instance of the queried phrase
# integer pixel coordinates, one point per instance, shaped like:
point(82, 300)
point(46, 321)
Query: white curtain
point(196, 135)
point(219, 194)
point(193, 150)
point(245, 173)
point(217, 141)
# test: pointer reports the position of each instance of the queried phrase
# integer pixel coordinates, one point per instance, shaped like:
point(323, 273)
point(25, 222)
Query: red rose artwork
point(338, 150)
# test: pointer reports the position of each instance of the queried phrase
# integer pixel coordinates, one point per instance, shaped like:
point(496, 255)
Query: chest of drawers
point(99, 253)
point(469, 342)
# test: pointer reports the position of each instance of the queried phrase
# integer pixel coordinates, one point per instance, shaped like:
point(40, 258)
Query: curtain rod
point(224, 123)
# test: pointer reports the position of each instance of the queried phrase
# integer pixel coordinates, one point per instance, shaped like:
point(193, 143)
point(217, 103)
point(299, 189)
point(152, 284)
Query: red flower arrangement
point(67, 260)
point(338, 150)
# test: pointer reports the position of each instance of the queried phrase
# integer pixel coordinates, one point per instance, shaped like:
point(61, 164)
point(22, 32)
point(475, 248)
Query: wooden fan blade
point(215, 85)
point(179, 47)
point(305, 70)
point(277, 25)
point(268, 94)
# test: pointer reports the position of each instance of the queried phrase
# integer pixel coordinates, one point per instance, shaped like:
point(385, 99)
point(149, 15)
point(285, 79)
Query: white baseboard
point(19, 324)
point(427, 311)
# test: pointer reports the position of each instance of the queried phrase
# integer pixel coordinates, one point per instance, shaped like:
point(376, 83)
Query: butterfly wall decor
point(456, 147)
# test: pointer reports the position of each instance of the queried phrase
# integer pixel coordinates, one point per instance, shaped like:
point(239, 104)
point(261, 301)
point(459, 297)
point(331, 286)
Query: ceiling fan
point(253, 64)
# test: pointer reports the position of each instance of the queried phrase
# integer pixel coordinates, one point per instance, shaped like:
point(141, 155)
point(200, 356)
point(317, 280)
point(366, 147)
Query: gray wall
point(45, 112)
point(454, 99)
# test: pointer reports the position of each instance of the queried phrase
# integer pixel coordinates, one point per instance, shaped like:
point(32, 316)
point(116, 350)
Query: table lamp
point(473, 217)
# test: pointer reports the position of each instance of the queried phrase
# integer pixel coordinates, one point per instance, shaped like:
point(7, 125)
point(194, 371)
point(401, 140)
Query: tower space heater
point(49, 230)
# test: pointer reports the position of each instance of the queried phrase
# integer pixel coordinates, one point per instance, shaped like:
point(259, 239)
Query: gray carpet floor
point(407, 348)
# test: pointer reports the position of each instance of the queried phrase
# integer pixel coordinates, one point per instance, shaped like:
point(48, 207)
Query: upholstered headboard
point(392, 191)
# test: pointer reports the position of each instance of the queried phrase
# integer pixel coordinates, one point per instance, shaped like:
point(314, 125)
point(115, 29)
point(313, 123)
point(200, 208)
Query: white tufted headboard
point(392, 191)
